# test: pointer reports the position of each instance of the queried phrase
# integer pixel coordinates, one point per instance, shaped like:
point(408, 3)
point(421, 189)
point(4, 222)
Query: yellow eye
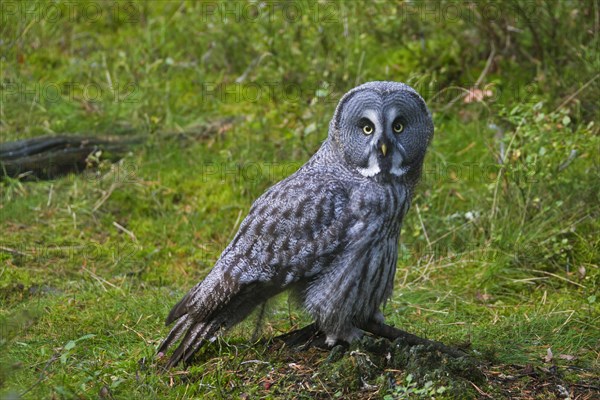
point(398, 127)
point(367, 129)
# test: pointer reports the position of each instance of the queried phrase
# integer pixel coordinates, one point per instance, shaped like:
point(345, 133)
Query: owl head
point(382, 130)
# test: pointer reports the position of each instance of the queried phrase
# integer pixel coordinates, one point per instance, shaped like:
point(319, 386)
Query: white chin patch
point(398, 171)
point(373, 168)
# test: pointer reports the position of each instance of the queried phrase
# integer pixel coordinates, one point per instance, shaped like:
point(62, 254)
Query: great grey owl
point(329, 232)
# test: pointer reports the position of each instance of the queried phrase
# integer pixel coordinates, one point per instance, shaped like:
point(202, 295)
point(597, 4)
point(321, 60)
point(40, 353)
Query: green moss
point(498, 258)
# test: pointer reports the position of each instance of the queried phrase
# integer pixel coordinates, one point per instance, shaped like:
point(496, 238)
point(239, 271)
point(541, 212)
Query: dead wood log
point(48, 157)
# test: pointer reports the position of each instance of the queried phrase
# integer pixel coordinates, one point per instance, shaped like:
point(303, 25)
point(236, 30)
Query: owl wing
point(291, 233)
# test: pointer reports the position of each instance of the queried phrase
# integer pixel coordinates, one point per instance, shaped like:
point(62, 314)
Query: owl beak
point(383, 149)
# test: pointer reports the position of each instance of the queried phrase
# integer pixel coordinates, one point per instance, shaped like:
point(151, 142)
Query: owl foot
point(378, 317)
point(348, 336)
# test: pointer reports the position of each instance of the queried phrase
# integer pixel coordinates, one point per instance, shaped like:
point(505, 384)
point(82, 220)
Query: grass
point(500, 258)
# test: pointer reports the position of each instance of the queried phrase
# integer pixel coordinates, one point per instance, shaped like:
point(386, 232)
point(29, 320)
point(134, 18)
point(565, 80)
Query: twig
point(581, 89)
point(428, 309)
point(12, 251)
point(125, 230)
point(42, 377)
point(499, 179)
point(235, 226)
point(484, 72)
point(255, 63)
point(50, 195)
point(254, 362)
point(100, 279)
point(136, 332)
point(359, 70)
point(559, 277)
point(488, 64)
point(105, 197)
point(423, 227)
point(568, 161)
point(450, 232)
point(481, 392)
point(556, 330)
point(586, 386)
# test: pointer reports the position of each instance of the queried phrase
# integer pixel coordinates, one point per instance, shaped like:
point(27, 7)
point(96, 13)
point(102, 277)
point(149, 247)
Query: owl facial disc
point(381, 130)
point(385, 155)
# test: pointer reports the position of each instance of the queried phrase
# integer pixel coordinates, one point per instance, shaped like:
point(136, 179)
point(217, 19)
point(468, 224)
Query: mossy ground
point(498, 258)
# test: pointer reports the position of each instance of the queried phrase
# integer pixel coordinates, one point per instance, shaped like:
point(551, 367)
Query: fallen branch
point(311, 336)
point(391, 333)
point(48, 157)
point(12, 251)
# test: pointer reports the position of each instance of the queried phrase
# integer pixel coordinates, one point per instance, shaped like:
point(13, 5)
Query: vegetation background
point(500, 252)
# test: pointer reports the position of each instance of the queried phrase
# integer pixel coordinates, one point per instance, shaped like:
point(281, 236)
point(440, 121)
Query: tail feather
point(207, 309)
point(201, 300)
point(177, 331)
point(198, 316)
point(178, 310)
point(194, 338)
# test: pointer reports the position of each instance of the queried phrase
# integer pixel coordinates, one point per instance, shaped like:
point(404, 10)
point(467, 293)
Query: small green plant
point(11, 188)
point(411, 390)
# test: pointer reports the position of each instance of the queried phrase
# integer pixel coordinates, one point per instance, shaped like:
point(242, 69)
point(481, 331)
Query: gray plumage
point(329, 232)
